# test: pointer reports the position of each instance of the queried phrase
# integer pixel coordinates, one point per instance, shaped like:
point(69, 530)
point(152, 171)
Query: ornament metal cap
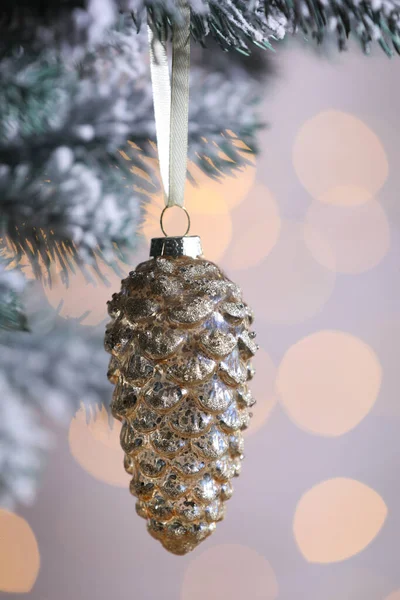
point(187, 245)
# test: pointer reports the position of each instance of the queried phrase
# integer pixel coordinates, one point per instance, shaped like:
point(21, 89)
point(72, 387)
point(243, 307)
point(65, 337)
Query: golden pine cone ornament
point(181, 348)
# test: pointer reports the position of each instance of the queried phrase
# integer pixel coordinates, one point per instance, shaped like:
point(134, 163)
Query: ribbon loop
point(171, 105)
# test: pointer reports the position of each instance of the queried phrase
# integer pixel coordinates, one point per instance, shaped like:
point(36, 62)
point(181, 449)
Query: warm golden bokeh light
point(94, 443)
point(19, 554)
point(337, 519)
point(215, 232)
point(257, 226)
point(81, 296)
point(335, 150)
point(263, 389)
point(328, 382)
point(151, 221)
point(233, 188)
point(359, 237)
point(289, 286)
point(345, 195)
point(229, 571)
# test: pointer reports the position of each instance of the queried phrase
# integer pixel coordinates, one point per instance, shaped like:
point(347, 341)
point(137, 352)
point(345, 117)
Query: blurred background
point(311, 231)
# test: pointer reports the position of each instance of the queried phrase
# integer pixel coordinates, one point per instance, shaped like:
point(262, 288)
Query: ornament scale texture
point(181, 347)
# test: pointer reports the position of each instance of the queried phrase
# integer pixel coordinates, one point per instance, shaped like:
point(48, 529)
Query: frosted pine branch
point(12, 284)
point(23, 446)
point(235, 24)
point(66, 192)
point(45, 373)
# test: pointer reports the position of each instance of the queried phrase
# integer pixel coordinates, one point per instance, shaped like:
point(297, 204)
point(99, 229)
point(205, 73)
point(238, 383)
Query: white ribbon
point(171, 105)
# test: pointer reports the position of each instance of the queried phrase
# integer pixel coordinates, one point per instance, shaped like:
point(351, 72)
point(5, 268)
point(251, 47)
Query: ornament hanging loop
point(171, 106)
point(162, 219)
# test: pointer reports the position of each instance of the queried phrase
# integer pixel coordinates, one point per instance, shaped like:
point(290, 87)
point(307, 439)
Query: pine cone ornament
point(181, 346)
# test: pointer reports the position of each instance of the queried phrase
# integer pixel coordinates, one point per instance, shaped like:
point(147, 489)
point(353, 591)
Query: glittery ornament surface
point(181, 348)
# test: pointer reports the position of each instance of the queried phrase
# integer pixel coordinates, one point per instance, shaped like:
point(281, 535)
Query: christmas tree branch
point(76, 143)
point(235, 24)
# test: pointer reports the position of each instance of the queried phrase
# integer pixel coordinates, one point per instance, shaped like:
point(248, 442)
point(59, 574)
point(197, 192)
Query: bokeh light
point(291, 285)
point(19, 554)
point(151, 218)
point(229, 571)
point(328, 382)
point(359, 236)
point(234, 188)
point(82, 296)
point(345, 196)
point(215, 231)
point(335, 150)
point(263, 390)
point(337, 519)
point(94, 443)
point(394, 595)
point(257, 226)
